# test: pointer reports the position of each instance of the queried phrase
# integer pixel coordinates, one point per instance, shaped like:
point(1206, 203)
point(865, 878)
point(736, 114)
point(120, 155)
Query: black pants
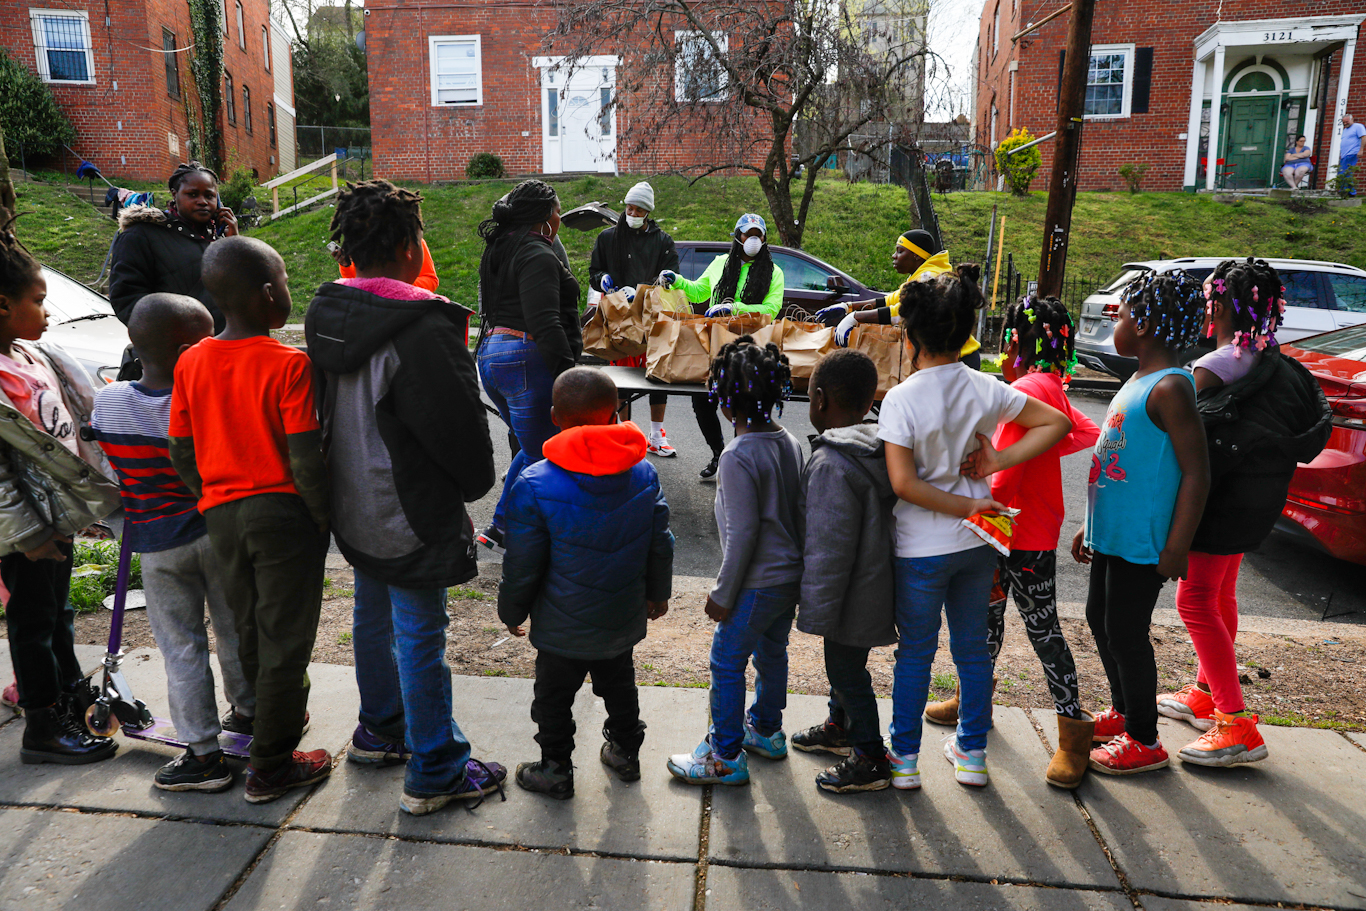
point(709, 422)
point(656, 398)
point(40, 624)
point(1031, 577)
point(1119, 610)
point(552, 705)
point(853, 705)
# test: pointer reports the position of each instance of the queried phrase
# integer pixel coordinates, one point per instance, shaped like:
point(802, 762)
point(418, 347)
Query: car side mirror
point(836, 283)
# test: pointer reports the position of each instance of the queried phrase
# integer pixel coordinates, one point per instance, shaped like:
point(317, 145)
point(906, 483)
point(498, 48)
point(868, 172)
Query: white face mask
point(635, 221)
point(753, 245)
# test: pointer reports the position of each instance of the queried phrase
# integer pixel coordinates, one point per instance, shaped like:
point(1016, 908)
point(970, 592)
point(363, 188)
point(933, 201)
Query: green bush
point(29, 114)
point(234, 191)
point(1019, 170)
point(485, 165)
point(1133, 175)
point(95, 573)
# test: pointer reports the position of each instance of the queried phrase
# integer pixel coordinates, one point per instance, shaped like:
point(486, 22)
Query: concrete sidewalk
point(1290, 830)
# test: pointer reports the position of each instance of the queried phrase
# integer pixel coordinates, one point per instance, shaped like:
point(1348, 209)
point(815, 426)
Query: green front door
point(1251, 148)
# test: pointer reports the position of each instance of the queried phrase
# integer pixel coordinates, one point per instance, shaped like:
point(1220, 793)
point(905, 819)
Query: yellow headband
point(903, 242)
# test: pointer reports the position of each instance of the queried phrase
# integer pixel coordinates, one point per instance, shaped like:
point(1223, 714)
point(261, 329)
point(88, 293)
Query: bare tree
point(777, 89)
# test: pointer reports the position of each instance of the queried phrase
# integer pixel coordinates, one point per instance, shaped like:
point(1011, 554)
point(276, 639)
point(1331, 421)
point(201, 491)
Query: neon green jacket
point(700, 290)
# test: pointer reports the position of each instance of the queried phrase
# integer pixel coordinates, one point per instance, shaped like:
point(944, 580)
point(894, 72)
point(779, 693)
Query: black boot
point(548, 777)
point(51, 735)
point(625, 763)
point(77, 698)
point(709, 472)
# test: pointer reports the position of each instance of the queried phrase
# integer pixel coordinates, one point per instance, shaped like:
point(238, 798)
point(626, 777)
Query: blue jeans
point(758, 625)
point(518, 381)
point(1345, 162)
point(399, 637)
point(960, 585)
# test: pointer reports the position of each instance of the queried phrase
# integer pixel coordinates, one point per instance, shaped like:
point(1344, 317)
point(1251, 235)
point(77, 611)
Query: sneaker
point(773, 746)
point(703, 766)
point(625, 764)
point(480, 778)
point(1126, 756)
point(1109, 725)
point(969, 766)
point(659, 446)
point(709, 472)
point(549, 777)
point(234, 722)
point(905, 770)
point(188, 772)
point(827, 737)
point(492, 538)
point(1189, 704)
point(369, 749)
point(1233, 739)
point(856, 773)
point(302, 770)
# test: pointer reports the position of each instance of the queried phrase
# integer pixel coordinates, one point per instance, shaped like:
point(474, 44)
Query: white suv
point(1319, 297)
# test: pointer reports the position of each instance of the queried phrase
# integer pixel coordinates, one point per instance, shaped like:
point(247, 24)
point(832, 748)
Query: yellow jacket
point(936, 265)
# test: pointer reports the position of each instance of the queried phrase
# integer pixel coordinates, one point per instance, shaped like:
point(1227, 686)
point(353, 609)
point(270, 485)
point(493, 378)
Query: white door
point(577, 115)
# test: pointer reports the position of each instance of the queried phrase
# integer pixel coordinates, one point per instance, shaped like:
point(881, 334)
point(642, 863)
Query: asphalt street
point(1282, 579)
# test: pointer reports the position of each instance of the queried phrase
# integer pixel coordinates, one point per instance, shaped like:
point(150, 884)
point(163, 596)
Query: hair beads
point(1169, 304)
point(745, 377)
point(1252, 290)
point(1042, 328)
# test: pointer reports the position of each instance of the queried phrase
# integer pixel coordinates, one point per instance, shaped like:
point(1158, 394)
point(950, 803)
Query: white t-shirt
point(937, 413)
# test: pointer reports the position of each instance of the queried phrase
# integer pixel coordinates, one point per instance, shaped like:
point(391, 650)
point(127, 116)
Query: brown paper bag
point(678, 349)
point(804, 344)
point(626, 323)
point(883, 345)
point(729, 328)
point(596, 339)
point(655, 300)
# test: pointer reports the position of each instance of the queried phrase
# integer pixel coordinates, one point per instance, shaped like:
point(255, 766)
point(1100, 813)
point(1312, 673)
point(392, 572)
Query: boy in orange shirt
point(262, 488)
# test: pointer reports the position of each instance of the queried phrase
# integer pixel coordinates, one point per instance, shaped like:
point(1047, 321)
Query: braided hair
point(751, 379)
point(373, 219)
point(938, 315)
point(756, 284)
point(1045, 333)
point(1170, 304)
point(18, 269)
point(1251, 291)
point(526, 206)
point(180, 173)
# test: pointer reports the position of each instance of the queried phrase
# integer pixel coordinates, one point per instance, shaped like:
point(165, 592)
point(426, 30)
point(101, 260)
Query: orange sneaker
point(1109, 725)
point(1233, 739)
point(1189, 704)
point(1126, 756)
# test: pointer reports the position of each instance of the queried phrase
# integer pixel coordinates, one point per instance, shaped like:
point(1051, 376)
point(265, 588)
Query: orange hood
point(597, 449)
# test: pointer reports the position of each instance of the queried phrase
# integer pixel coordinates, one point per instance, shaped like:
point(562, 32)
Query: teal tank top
point(1134, 477)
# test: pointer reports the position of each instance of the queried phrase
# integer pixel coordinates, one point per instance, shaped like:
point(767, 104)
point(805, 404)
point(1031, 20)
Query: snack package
point(994, 528)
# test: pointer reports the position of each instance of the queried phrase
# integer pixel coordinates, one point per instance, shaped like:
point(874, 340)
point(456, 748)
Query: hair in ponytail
point(1045, 334)
point(1251, 290)
point(938, 315)
point(529, 204)
point(18, 268)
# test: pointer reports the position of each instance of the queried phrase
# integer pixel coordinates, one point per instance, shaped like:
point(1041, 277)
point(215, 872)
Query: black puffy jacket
point(1258, 428)
point(631, 257)
point(155, 252)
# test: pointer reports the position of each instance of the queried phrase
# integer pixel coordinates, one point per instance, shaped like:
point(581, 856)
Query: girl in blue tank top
point(1149, 478)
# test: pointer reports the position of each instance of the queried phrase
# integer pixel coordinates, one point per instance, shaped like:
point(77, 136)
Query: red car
point(1327, 502)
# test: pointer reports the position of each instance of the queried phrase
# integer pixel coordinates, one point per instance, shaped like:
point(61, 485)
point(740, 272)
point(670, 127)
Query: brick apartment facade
point(449, 80)
point(119, 72)
point(1165, 76)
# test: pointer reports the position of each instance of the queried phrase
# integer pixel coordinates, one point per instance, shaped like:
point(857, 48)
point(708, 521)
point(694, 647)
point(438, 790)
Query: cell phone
point(219, 226)
point(333, 247)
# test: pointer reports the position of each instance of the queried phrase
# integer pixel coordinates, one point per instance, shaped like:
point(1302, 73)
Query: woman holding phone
point(160, 250)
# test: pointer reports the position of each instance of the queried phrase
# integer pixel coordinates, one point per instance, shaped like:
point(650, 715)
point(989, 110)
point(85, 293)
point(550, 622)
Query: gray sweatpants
point(177, 583)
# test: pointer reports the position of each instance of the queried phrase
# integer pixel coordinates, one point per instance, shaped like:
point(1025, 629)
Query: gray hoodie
point(846, 506)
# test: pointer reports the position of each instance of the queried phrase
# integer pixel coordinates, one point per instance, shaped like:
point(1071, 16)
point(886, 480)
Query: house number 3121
point(1278, 36)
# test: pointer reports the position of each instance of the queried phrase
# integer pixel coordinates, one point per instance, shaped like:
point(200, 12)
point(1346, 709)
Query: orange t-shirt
point(426, 280)
point(237, 400)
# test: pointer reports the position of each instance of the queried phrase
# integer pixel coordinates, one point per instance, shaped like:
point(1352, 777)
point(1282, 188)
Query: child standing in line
point(1263, 413)
point(178, 567)
point(755, 595)
point(53, 483)
point(244, 438)
point(1149, 478)
point(931, 422)
point(589, 560)
point(846, 595)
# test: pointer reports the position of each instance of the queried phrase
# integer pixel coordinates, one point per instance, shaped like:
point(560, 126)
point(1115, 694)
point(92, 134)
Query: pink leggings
point(1207, 600)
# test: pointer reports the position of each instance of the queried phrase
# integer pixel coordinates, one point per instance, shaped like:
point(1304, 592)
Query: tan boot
point(945, 713)
point(1074, 751)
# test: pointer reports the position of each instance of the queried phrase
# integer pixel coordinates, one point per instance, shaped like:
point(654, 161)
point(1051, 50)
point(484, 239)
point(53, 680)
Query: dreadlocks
point(1251, 291)
point(530, 203)
point(185, 170)
point(18, 269)
point(1043, 329)
point(756, 285)
point(1169, 303)
point(938, 315)
point(373, 219)
point(745, 377)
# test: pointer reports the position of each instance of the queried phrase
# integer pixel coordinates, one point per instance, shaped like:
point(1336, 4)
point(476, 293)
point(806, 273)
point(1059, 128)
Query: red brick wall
point(122, 121)
point(1170, 28)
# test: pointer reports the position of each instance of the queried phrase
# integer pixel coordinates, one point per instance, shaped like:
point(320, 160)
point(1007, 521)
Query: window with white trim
point(265, 47)
point(61, 45)
point(456, 69)
point(241, 28)
point(1109, 81)
point(698, 75)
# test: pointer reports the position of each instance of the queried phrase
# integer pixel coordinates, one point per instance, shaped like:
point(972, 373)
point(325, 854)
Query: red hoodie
point(597, 449)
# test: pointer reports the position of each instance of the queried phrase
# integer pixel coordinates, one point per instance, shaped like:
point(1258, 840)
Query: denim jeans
point(959, 584)
point(518, 382)
point(758, 625)
point(853, 704)
point(399, 636)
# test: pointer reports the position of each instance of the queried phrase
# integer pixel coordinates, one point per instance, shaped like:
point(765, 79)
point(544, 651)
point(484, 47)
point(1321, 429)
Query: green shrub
point(1133, 175)
point(485, 165)
point(235, 190)
point(95, 573)
point(29, 114)
point(1019, 170)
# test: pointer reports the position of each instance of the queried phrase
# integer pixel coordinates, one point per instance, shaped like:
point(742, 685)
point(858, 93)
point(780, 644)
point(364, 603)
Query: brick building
point(119, 71)
point(1165, 76)
point(449, 80)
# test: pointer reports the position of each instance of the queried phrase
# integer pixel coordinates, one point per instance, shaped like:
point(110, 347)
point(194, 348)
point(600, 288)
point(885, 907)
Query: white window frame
point(432, 42)
point(680, 95)
point(1127, 51)
point(40, 48)
point(265, 46)
point(241, 27)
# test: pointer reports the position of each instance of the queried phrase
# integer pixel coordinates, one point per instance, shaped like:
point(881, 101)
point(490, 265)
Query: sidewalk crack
point(699, 899)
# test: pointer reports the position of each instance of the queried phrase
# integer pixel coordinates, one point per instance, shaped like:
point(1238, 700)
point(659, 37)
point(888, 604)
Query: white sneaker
point(905, 770)
point(969, 766)
point(659, 446)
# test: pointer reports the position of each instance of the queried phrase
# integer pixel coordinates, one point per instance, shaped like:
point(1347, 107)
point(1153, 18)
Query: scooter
point(117, 706)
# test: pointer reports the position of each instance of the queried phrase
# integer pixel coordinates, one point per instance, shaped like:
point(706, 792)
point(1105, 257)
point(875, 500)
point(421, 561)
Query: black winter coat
point(1258, 428)
point(631, 257)
point(535, 293)
point(155, 252)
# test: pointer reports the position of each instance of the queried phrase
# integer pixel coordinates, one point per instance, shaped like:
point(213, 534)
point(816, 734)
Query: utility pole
point(1062, 188)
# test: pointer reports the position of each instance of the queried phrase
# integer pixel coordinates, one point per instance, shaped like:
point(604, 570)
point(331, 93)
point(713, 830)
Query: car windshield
point(1129, 274)
point(68, 299)
point(1349, 344)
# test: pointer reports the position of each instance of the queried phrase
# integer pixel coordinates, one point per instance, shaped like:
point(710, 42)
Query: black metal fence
point(1013, 284)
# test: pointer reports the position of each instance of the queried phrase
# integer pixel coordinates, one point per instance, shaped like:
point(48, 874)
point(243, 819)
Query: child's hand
point(1080, 552)
point(656, 609)
point(518, 631)
point(1173, 564)
point(984, 504)
point(48, 550)
point(981, 462)
point(717, 612)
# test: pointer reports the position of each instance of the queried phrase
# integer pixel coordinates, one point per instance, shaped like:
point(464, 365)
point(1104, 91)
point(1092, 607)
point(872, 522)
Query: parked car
point(83, 323)
point(1326, 506)
point(1319, 297)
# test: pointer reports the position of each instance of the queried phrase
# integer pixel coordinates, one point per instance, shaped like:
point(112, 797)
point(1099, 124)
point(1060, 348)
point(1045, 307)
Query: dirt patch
point(1310, 680)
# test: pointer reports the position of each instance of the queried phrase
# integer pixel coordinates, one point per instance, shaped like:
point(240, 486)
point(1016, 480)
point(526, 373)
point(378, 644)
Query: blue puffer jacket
point(588, 543)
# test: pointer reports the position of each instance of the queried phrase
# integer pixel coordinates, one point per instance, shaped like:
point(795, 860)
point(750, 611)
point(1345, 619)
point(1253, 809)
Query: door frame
point(554, 77)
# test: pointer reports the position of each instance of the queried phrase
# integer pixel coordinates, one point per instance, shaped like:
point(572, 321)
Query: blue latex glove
point(608, 286)
point(630, 295)
point(832, 315)
point(719, 310)
point(842, 331)
point(666, 279)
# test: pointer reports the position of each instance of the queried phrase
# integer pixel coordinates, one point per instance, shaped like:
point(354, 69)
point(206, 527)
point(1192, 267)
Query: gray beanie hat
point(643, 195)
